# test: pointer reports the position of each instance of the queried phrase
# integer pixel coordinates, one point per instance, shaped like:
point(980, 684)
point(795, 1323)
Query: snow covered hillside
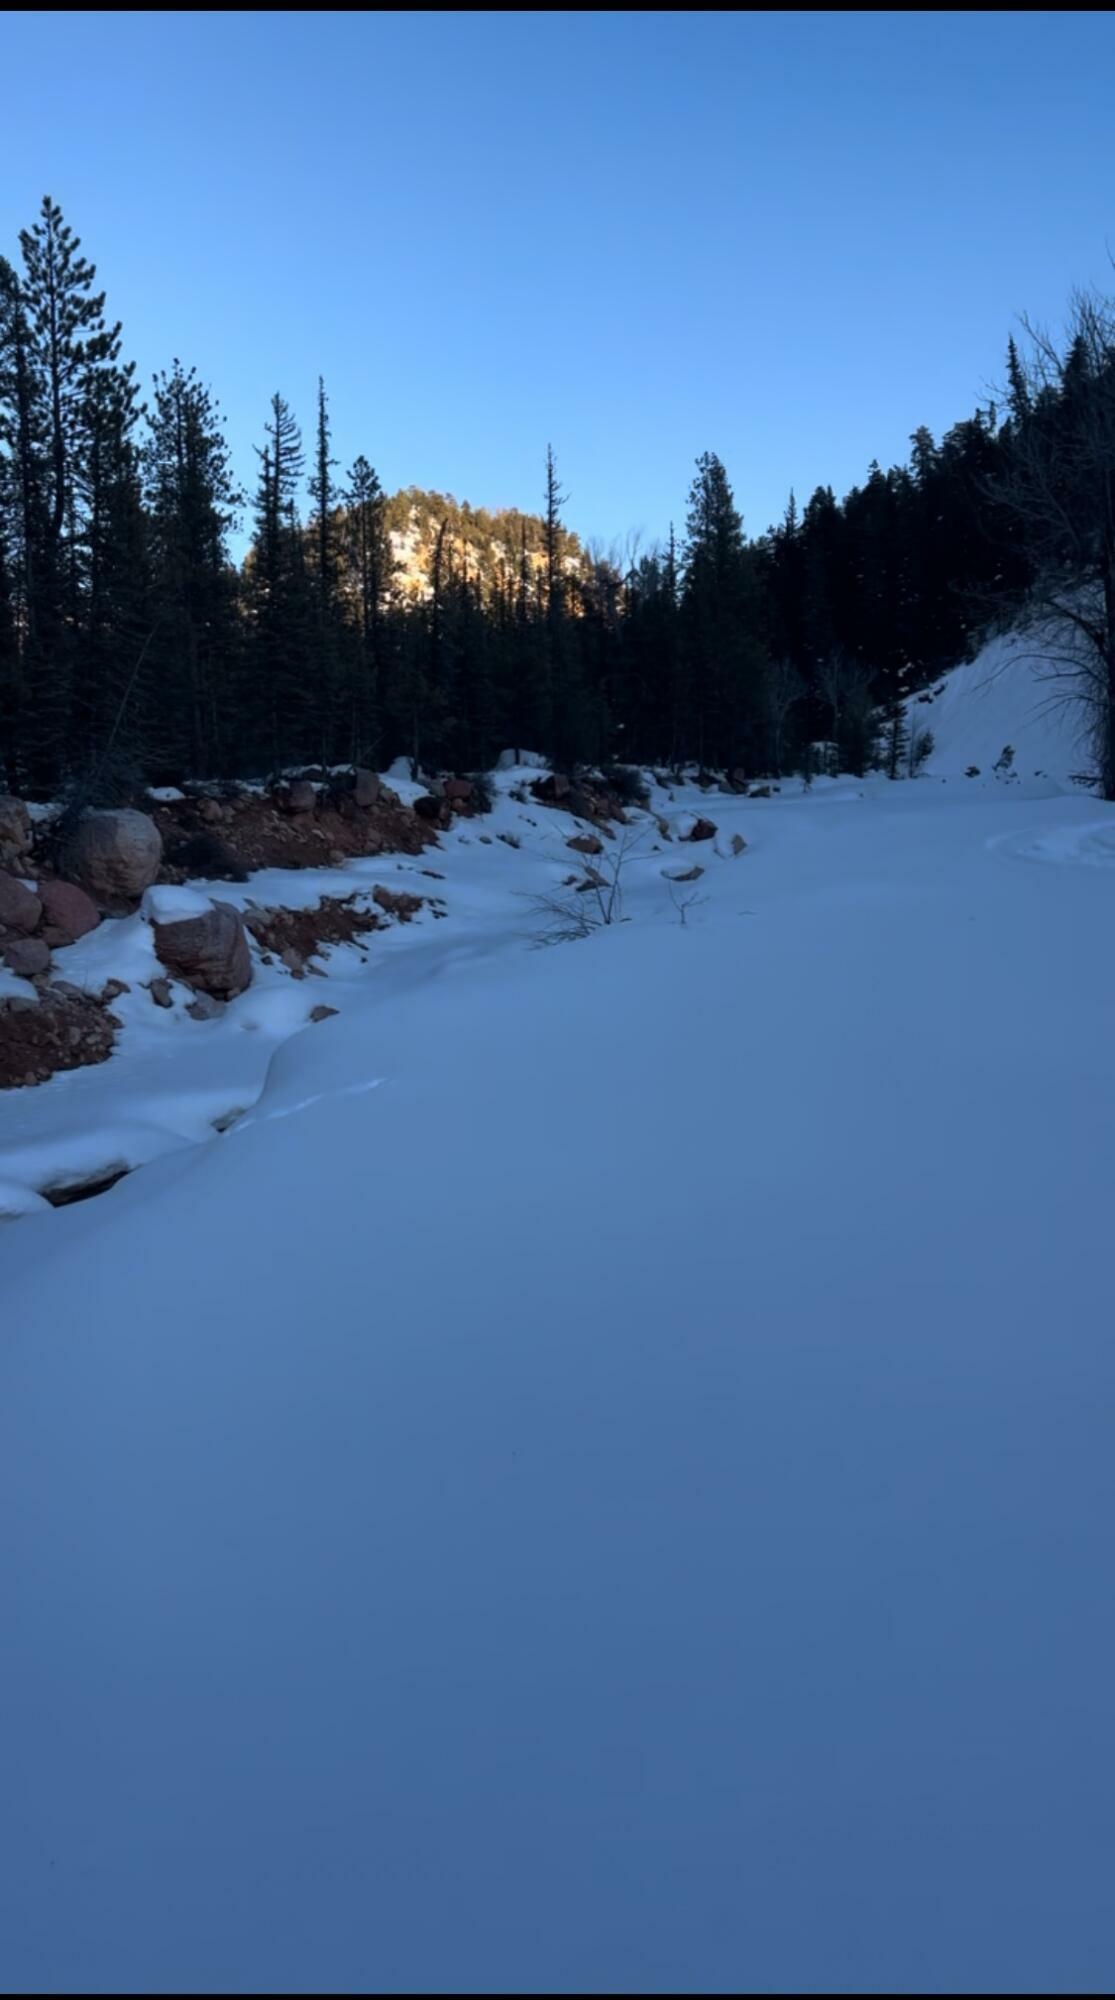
point(1006, 695)
point(601, 1477)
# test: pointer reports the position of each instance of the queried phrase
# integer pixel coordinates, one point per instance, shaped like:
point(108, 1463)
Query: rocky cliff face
point(488, 546)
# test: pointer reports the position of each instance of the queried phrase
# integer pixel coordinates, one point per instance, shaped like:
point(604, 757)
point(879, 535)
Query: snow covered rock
point(702, 829)
point(205, 1008)
point(68, 913)
point(20, 910)
point(208, 951)
point(113, 855)
point(586, 843)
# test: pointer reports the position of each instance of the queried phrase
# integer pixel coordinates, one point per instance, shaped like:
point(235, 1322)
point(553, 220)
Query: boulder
point(20, 908)
point(553, 790)
point(209, 952)
point(68, 913)
point(458, 789)
point(585, 843)
point(738, 843)
point(433, 809)
point(27, 957)
point(300, 796)
point(161, 994)
point(211, 811)
point(205, 1008)
point(321, 1012)
point(702, 829)
point(686, 875)
point(759, 792)
point(366, 788)
point(15, 829)
point(113, 855)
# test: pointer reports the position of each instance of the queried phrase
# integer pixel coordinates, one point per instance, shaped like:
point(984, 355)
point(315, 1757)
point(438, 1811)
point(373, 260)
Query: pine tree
point(370, 566)
point(721, 621)
point(282, 727)
point(113, 695)
point(193, 504)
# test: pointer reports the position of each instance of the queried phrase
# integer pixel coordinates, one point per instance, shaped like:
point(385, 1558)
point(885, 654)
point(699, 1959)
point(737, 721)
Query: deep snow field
point(602, 1475)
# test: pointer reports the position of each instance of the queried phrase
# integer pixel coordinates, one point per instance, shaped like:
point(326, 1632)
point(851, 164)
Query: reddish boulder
point(68, 913)
point(114, 856)
point(703, 829)
point(585, 843)
point(366, 788)
point(458, 788)
point(20, 908)
point(209, 952)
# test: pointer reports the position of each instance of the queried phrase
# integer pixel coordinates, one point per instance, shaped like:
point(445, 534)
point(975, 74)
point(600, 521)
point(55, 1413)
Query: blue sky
point(786, 238)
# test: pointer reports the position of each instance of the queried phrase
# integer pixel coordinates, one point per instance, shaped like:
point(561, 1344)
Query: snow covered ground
point(1006, 695)
point(602, 1477)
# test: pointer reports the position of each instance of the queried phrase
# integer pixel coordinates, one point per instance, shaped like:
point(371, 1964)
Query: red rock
point(703, 829)
point(68, 913)
point(586, 843)
point(20, 908)
point(458, 788)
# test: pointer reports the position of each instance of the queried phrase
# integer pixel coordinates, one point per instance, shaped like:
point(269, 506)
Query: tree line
point(133, 649)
